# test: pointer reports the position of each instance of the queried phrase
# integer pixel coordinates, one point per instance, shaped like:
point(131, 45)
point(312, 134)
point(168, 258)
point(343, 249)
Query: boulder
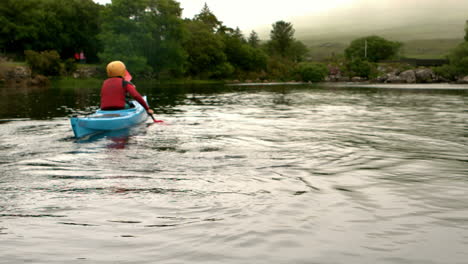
point(19, 73)
point(393, 78)
point(381, 78)
point(358, 79)
point(463, 80)
point(85, 72)
point(408, 76)
point(425, 75)
point(39, 80)
point(344, 79)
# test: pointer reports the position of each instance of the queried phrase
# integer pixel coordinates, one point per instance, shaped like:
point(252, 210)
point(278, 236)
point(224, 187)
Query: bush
point(70, 66)
point(312, 72)
point(45, 63)
point(459, 59)
point(280, 69)
point(448, 72)
point(358, 67)
point(378, 48)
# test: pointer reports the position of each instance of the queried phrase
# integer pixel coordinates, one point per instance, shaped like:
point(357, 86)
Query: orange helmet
point(115, 69)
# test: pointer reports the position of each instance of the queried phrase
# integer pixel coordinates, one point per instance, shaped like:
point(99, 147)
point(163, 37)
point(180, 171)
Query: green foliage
point(281, 69)
point(297, 51)
point(359, 67)
point(446, 71)
point(378, 49)
point(282, 37)
point(312, 72)
point(242, 55)
point(63, 25)
point(205, 50)
point(466, 30)
point(45, 63)
point(459, 59)
point(147, 35)
point(208, 18)
point(253, 39)
point(69, 66)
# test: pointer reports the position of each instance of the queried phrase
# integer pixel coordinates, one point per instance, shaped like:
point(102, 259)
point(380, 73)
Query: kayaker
point(115, 88)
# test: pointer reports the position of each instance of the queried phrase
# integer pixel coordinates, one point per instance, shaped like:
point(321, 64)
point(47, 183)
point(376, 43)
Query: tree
point(18, 18)
point(282, 37)
point(208, 18)
point(147, 35)
point(297, 51)
point(253, 39)
point(459, 59)
point(205, 50)
point(466, 30)
point(62, 25)
point(372, 48)
point(241, 55)
point(312, 72)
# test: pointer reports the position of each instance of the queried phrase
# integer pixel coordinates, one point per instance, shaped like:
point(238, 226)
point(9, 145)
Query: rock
point(408, 76)
point(85, 72)
point(344, 79)
point(39, 80)
point(19, 72)
point(463, 80)
point(358, 79)
point(425, 75)
point(393, 78)
point(381, 78)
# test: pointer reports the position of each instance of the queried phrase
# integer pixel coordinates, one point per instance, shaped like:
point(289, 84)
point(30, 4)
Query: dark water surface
point(256, 174)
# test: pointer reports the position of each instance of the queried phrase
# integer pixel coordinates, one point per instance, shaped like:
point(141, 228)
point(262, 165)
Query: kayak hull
point(108, 120)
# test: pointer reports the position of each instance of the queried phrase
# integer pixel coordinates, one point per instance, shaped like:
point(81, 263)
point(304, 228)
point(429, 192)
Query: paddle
point(128, 78)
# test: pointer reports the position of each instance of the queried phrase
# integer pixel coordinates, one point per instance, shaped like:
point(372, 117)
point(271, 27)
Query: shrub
point(70, 66)
point(459, 59)
point(45, 63)
point(358, 67)
point(280, 69)
point(378, 48)
point(312, 72)
point(446, 71)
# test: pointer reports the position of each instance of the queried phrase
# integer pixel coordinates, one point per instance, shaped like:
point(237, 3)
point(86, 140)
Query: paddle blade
point(127, 76)
point(155, 120)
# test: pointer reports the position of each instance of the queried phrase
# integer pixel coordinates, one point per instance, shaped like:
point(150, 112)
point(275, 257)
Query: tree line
point(150, 36)
point(153, 39)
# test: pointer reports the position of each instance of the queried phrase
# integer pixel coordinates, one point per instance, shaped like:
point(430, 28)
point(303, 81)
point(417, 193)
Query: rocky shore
point(21, 76)
point(396, 76)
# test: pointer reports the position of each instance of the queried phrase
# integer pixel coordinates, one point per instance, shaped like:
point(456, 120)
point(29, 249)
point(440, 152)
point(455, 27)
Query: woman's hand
point(150, 111)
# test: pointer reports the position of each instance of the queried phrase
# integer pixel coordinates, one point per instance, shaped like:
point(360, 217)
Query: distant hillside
point(427, 41)
point(428, 28)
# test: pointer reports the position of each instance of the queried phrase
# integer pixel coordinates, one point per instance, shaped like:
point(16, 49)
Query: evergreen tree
point(282, 37)
point(208, 18)
point(253, 40)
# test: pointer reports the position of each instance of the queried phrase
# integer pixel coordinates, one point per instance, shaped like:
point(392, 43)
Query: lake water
point(238, 174)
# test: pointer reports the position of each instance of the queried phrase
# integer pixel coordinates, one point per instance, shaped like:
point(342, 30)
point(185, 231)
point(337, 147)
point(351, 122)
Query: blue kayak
point(108, 120)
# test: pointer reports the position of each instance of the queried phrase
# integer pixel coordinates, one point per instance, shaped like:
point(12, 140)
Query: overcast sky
point(251, 15)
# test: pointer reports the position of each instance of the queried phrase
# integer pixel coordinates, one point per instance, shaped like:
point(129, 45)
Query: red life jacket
point(113, 93)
